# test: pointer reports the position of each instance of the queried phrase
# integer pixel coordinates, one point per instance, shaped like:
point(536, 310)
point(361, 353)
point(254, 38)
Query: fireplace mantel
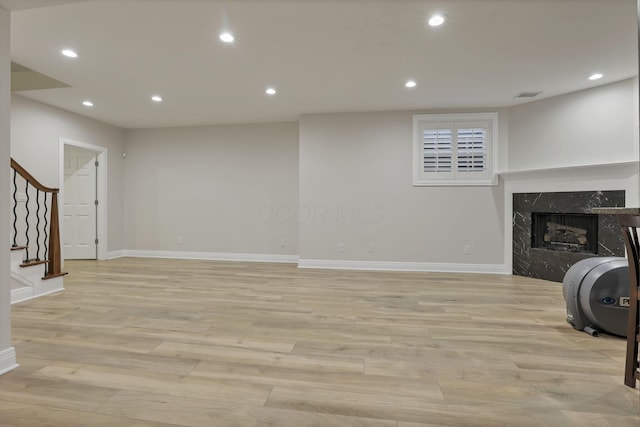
point(632, 166)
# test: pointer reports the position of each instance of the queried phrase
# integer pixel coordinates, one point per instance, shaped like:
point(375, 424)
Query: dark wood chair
point(629, 225)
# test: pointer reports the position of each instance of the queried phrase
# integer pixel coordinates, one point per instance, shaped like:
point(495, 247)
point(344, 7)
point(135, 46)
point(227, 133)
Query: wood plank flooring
point(149, 342)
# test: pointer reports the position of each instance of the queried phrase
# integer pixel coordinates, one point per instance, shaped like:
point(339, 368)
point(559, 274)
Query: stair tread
point(18, 248)
point(30, 263)
point(53, 276)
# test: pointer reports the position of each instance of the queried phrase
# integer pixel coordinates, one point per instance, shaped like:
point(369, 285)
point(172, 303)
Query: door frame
point(101, 193)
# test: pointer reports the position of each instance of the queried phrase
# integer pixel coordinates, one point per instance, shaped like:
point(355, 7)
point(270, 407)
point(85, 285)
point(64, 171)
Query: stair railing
point(40, 225)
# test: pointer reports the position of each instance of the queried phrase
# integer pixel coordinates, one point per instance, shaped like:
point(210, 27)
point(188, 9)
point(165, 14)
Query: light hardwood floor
point(148, 342)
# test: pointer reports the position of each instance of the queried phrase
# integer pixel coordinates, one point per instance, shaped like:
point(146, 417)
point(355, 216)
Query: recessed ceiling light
point(87, 103)
point(156, 98)
point(436, 20)
point(410, 83)
point(596, 76)
point(69, 53)
point(227, 37)
point(270, 91)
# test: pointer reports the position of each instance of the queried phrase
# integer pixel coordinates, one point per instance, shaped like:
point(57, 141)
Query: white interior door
point(79, 203)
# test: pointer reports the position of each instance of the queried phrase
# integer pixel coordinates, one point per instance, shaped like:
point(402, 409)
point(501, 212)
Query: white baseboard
point(21, 294)
point(210, 256)
point(318, 263)
point(8, 360)
point(116, 254)
point(25, 294)
point(403, 266)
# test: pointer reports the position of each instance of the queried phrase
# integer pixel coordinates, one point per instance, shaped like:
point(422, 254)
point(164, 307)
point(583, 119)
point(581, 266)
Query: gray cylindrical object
point(590, 331)
point(596, 291)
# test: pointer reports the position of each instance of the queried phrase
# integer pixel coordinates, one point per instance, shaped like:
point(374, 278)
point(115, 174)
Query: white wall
point(35, 132)
point(7, 353)
point(589, 127)
point(335, 178)
point(212, 189)
point(356, 189)
point(582, 141)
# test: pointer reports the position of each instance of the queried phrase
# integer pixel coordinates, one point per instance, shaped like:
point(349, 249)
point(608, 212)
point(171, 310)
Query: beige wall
point(5, 98)
point(212, 189)
point(35, 132)
point(356, 189)
point(589, 127)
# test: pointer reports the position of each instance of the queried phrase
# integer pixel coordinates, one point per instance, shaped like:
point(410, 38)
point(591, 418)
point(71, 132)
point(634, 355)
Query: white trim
point(211, 256)
point(316, 263)
point(21, 294)
point(487, 178)
point(516, 173)
point(34, 288)
point(103, 155)
point(8, 360)
point(21, 279)
point(116, 254)
point(403, 266)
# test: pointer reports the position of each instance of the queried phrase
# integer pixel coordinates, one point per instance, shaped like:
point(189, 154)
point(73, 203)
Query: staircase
point(28, 282)
point(35, 238)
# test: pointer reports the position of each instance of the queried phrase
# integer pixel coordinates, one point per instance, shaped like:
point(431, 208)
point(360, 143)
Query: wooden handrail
point(54, 263)
point(30, 179)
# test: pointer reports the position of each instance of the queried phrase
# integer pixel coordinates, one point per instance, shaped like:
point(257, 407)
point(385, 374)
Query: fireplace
point(552, 231)
point(565, 232)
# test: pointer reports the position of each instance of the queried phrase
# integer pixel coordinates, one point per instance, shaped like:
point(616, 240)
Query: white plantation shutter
point(471, 152)
point(437, 149)
point(454, 152)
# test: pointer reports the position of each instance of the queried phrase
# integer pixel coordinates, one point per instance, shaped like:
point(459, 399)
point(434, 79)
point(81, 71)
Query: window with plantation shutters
point(471, 149)
point(436, 145)
point(454, 149)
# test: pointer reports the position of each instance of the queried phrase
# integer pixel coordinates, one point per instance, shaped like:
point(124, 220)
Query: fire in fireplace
point(566, 232)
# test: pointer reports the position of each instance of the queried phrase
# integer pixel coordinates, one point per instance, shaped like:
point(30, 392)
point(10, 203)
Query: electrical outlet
point(21, 197)
point(340, 247)
point(467, 249)
point(370, 248)
point(283, 243)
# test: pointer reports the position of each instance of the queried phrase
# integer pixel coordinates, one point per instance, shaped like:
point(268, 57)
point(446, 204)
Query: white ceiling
point(321, 55)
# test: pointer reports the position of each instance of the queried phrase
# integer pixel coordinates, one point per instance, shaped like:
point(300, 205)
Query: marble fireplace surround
point(552, 265)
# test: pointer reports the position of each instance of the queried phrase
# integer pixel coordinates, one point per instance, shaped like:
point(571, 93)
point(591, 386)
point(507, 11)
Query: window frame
point(456, 121)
